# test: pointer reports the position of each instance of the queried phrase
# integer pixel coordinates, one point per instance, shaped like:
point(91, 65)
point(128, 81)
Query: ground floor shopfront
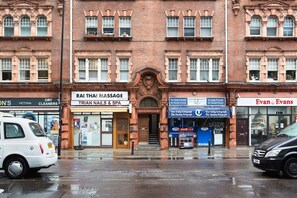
point(260, 117)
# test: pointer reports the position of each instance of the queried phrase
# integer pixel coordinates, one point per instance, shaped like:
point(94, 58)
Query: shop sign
point(266, 102)
point(101, 102)
point(191, 112)
point(99, 95)
point(29, 102)
point(197, 101)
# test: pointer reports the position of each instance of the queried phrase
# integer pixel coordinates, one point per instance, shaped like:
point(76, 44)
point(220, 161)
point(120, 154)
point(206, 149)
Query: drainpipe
point(226, 41)
point(70, 43)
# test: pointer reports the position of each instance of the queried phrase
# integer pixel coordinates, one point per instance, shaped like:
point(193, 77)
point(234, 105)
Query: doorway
point(148, 127)
point(242, 128)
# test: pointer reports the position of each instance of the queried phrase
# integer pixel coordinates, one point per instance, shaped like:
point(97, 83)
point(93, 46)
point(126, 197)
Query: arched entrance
point(149, 98)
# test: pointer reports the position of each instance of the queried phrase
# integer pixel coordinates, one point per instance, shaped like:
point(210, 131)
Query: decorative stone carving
point(235, 6)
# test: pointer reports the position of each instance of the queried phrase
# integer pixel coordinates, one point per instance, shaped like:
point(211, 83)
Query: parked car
point(278, 153)
point(24, 147)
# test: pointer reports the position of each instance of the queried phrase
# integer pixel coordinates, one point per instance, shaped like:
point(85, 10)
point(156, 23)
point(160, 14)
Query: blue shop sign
point(178, 101)
point(197, 112)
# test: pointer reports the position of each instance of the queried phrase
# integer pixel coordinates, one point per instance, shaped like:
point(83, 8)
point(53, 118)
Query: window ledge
point(107, 38)
point(265, 38)
point(189, 38)
point(30, 38)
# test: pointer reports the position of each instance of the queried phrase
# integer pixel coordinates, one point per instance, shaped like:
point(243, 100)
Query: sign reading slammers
point(101, 98)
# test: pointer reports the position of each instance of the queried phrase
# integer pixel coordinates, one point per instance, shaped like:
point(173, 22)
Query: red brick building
point(152, 71)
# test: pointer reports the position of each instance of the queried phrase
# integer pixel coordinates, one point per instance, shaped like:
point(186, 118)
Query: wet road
point(150, 178)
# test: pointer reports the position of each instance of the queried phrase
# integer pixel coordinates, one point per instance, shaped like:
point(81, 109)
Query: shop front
point(259, 119)
point(45, 111)
point(202, 119)
point(100, 119)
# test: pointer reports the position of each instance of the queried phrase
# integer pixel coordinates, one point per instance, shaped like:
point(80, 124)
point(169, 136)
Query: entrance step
point(153, 139)
point(148, 147)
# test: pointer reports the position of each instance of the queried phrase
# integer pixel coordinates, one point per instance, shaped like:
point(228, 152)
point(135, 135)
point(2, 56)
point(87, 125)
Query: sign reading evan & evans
point(100, 98)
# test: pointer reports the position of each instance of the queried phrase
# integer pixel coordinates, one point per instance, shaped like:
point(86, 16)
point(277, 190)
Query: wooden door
point(143, 128)
point(242, 128)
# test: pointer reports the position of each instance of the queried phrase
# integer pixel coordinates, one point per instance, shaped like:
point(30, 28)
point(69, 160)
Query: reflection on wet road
point(150, 178)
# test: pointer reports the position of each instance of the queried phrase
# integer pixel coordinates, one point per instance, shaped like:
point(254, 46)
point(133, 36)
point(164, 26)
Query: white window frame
point(101, 69)
point(272, 26)
point(125, 26)
point(24, 69)
point(172, 24)
point(172, 69)
point(289, 26)
point(8, 26)
point(42, 67)
point(255, 25)
point(91, 25)
point(6, 67)
point(291, 66)
point(190, 24)
point(272, 68)
point(254, 68)
point(124, 69)
point(206, 26)
point(107, 25)
point(41, 26)
point(212, 69)
point(25, 26)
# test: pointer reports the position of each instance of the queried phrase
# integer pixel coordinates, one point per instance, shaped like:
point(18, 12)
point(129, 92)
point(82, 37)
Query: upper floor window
point(6, 69)
point(255, 27)
point(204, 70)
point(291, 67)
point(272, 69)
point(172, 69)
point(25, 26)
point(206, 26)
point(93, 70)
point(42, 26)
point(254, 69)
point(189, 26)
point(288, 26)
point(272, 26)
point(91, 25)
point(24, 68)
point(42, 73)
point(108, 25)
point(172, 26)
point(124, 69)
point(8, 26)
point(125, 26)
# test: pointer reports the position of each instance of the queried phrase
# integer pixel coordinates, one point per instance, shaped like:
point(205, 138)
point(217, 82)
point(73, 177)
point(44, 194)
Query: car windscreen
point(289, 131)
point(36, 129)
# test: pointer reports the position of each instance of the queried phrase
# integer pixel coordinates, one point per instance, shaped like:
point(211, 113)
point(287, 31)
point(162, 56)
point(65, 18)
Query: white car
point(24, 147)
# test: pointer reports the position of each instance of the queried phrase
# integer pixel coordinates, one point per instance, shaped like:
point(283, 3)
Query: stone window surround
point(280, 12)
point(33, 11)
point(91, 55)
point(188, 13)
point(206, 55)
point(33, 56)
point(127, 55)
point(107, 13)
point(264, 56)
point(173, 55)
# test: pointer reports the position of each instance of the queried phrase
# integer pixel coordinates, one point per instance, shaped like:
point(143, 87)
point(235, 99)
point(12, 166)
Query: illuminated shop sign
point(99, 95)
point(29, 102)
point(197, 101)
point(266, 102)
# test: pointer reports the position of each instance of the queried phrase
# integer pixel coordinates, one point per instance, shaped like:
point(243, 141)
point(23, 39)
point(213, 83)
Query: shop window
point(272, 70)
point(6, 72)
point(125, 26)
point(91, 26)
point(24, 68)
point(41, 26)
point(272, 26)
point(291, 66)
point(254, 69)
point(172, 26)
point(25, 26)
point(206, 26)
point(42, 70)
point(189, 26)
point(8, 26)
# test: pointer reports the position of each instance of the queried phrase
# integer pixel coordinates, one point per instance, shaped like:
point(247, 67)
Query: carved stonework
point(235, 6)
point(148, 86)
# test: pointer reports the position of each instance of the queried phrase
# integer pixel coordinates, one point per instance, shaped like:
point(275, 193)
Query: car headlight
point(273, 153)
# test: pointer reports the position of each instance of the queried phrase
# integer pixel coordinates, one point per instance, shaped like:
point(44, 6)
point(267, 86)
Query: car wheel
point(290, 168)
point(16, 168)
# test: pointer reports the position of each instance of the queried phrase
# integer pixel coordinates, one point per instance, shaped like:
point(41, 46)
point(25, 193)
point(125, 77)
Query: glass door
point(122, 133)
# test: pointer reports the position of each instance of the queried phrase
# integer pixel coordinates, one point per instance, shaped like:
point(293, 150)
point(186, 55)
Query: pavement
point(169, 154)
